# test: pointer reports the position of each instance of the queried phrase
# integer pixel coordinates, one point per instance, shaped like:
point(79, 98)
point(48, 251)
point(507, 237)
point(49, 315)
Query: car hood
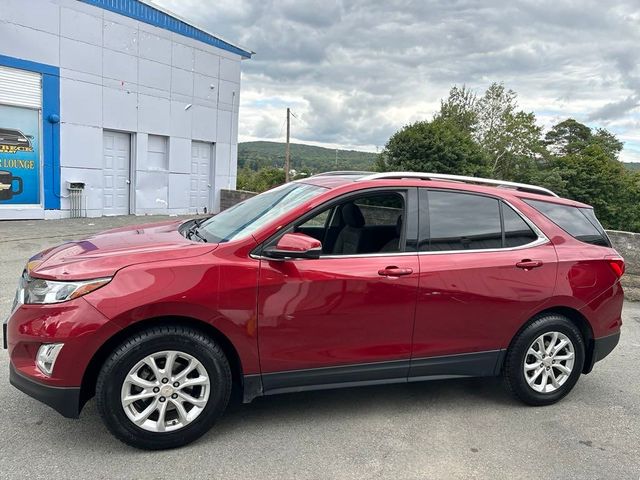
point(105, 253)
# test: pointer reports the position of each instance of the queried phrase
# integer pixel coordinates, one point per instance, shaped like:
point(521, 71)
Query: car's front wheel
point(545, 360)
point(163, 387)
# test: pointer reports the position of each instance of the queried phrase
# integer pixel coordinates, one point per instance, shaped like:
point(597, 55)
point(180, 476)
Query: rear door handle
point(395, 271)
point(529, 264)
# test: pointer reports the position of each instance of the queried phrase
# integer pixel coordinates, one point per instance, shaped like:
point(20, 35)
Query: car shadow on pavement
point(347, 403)
point(356, 404)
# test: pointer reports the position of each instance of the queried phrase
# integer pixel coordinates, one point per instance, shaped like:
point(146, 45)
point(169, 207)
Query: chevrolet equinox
point(342, 279)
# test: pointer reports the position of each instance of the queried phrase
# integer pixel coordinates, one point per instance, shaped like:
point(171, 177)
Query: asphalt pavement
point(443, 429)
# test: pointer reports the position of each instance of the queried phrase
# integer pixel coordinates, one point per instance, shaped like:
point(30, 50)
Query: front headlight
point(37, 290)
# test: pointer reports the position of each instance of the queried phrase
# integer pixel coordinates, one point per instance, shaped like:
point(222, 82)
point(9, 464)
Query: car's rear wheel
point(545, 360)
point(164, 387)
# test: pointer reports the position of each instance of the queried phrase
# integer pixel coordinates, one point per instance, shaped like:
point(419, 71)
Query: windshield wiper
point(193, 230)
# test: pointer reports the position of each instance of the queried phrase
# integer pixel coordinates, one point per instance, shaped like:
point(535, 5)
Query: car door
point(484, 270)
point(348, 315)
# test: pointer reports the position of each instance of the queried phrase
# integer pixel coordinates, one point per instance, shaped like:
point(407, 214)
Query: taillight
point(617, 265)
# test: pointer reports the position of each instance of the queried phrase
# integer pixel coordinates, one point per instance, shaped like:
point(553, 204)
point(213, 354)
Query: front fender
point(221, 294)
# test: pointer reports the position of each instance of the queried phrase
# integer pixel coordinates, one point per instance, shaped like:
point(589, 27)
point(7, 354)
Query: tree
point(509, 137)
point(570, 136)
point(634, 201)
point(439, 146)
point(460, 107)
point(491, 136)
point(494, 108)
point(593, 177)
point(261, 180)
point(608, 142)
point(517, 148)
point(567, 137)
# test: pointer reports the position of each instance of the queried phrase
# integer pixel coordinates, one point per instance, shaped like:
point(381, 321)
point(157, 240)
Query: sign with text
point(19, 156)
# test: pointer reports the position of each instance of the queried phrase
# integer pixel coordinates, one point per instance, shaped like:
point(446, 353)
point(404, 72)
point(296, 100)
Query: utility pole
point(336, 158)
point(287, 155)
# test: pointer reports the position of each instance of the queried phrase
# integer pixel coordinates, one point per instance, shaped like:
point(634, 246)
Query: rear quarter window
point(580, 223)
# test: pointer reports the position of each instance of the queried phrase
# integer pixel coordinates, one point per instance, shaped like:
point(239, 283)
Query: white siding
point(80, 102)
point(24, 42)
point(34, 14)
point(182, 56)
point(80, 26)
point(80, 145)
point(119, 66)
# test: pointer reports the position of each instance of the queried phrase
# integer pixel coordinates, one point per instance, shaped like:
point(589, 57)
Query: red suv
point(339, 280)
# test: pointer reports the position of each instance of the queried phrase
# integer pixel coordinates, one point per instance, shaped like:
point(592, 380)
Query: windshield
point(245, 218)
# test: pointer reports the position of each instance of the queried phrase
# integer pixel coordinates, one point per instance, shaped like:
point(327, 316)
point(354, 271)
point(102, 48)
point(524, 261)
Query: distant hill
point(633, 166)
point(256, 155)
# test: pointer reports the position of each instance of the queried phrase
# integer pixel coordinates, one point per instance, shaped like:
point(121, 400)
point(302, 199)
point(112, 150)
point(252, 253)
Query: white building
point(118, 96)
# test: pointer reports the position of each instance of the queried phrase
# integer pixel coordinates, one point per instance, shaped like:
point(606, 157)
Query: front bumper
point(65, 400)
point(75, 323)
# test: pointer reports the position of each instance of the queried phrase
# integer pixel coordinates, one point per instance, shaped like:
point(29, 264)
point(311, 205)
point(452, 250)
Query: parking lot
point(442, 429)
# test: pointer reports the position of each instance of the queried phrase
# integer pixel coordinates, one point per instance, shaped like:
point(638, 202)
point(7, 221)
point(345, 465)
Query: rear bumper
point(65, 400)
point(5, 326)
point(601, 348)
point(604, 346)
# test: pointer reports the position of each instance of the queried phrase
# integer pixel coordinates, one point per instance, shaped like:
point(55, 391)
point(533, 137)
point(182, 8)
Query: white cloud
point(356, 71)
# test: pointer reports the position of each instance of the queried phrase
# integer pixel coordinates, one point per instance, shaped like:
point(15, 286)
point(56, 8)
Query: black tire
point(514, 362)
point(136, 348)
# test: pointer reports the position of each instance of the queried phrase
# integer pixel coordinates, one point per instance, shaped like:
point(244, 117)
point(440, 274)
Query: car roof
point(486, 186)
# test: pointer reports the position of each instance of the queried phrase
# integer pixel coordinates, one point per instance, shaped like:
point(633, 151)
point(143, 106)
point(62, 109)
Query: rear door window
point(516, 231)
point(580, 223)
point(457, 221)
point(460, 221)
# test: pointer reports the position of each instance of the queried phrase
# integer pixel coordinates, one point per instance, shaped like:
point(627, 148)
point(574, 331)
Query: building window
point(157, 157)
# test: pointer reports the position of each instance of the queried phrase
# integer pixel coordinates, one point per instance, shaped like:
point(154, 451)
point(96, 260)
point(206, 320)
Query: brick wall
point(628, 245)
point(228, 198)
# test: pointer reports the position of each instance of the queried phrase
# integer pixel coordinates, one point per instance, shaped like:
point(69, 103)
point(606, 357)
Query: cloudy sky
point(353, 72)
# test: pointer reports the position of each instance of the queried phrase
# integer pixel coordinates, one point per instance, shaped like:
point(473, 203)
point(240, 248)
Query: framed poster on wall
point(19, 156)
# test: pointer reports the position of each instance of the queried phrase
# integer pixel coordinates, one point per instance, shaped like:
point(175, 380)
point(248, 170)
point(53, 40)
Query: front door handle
point(529, 264)
point(394, 271)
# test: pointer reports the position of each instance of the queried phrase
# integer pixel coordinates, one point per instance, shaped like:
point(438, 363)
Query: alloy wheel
point(549, 362)
point(165, 391)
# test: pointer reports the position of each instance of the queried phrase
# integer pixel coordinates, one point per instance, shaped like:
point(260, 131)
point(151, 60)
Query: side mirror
point(294, 245)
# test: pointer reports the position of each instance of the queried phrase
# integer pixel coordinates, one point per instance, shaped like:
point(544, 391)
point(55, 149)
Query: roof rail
point(464, 179)
point(341, 172)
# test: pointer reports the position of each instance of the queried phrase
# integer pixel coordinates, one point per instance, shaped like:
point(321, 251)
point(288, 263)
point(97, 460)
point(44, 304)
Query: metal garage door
point(115, 173)
point(20, 88)
point(201, 167)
